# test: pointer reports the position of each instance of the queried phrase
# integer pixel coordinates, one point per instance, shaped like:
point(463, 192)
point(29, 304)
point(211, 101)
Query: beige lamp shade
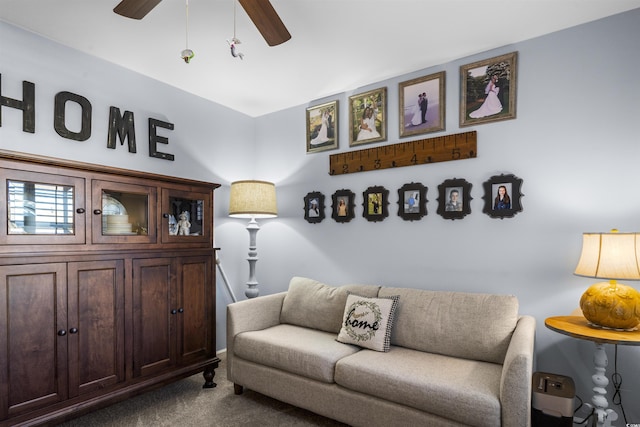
point(253, 199)
point(611, 256)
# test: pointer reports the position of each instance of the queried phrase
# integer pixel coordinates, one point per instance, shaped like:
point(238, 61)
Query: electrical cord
point(587, 418)
point(616, 379)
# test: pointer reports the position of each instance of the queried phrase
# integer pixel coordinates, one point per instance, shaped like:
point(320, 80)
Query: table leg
point(603, 415)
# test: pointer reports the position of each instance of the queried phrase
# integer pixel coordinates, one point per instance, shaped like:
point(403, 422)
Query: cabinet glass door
point(42, 209)
point(122, 213)
point(184, 216)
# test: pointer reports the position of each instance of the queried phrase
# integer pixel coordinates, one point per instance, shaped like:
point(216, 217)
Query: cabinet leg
point(208, 374)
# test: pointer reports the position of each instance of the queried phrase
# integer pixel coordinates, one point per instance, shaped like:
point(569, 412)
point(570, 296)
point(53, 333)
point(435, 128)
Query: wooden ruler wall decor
point(422, 151)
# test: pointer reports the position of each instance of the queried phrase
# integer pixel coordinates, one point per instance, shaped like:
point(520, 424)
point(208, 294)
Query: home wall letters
point(120, 126)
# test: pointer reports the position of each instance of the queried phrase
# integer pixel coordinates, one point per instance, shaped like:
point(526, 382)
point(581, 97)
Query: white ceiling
point(336, 45)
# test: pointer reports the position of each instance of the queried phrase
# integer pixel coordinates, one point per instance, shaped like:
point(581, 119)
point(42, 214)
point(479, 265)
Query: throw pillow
point(367, 322)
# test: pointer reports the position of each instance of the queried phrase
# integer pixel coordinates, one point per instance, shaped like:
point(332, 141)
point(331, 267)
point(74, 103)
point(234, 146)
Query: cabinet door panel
point(33, 355)
point(96, 311)
point(196, 321)
point(41, 208)
point(153, 302)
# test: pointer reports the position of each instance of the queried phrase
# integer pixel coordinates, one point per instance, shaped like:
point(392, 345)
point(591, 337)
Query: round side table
point(578, 327)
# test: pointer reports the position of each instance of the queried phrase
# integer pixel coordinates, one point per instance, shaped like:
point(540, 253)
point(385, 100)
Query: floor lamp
point(252, 199)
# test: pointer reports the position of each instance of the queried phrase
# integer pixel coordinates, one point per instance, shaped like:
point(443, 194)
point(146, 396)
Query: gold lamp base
point(611, 305)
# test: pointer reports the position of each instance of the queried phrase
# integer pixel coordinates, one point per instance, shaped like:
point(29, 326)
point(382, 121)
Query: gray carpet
point(186, 403)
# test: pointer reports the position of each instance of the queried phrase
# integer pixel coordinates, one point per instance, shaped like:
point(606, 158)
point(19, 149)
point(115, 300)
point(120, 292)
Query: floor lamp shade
point(611, 256)
point(255, 199)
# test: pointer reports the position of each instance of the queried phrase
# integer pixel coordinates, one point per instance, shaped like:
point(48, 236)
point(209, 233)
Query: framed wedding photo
point(368, 117)
point(343, 208)
point(322, 127)
point(412, 201)
point(454, 201)
point(502, 195)
point(422, 105)
point(488, 90)
point(375, 204)
point(314, 207)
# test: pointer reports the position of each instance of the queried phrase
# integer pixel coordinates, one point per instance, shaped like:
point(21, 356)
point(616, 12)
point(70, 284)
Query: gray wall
point(574, 144)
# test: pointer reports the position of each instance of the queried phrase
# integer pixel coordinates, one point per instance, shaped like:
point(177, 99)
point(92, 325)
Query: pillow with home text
point(367, 322)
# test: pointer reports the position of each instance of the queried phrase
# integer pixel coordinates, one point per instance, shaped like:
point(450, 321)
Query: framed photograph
point(376, 202)
point(502, 195)
point(322, 127)
point(343, 208)
point(454, 201)
point(314, 207)
point(412, 201)
point(488, 92)
point(422, 105)
point(368, 117)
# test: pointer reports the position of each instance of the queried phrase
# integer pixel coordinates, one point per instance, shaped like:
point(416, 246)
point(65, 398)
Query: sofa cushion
point(295, 349)
point(367, 322)
point(316, 305)
point(473, 326)
point(466, 391)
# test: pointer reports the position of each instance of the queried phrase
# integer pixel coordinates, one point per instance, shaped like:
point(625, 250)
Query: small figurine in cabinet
point(183, 224)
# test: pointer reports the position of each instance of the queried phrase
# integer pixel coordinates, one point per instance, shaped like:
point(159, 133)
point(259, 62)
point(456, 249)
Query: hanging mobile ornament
point(187, 53)
point(234, 41)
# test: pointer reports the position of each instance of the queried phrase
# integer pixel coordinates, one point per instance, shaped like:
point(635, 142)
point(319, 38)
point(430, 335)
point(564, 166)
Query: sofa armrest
point(251, 315)
point(515, 384)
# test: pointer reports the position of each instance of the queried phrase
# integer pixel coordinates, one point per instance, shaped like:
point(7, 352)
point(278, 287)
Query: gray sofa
point(455, 358)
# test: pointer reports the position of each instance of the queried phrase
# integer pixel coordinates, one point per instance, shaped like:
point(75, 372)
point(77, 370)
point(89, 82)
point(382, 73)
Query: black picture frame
point(314, 207)
point(513, 190)
point(412, 201)
point(343, 207)
point(447, 199)
point(375, 204)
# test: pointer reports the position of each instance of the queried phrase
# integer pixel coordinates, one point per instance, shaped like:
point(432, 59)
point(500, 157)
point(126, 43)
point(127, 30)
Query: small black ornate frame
point(343, 208)
point(412, 201)
point(509, 207)
point(314, 207)
point(375, 204)
point(454, 198)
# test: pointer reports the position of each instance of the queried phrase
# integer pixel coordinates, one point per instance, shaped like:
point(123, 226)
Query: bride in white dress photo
point(322, 136)
point(491, 104)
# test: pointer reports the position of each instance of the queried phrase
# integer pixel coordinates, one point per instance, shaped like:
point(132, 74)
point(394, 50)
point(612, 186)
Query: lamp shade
point(610, 256)
point(253, 199)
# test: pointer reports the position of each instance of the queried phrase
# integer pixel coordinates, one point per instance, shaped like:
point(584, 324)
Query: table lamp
point(611, 256)
point(252, 199)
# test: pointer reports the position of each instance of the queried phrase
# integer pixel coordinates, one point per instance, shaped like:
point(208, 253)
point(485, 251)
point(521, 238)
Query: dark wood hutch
point(103, 293)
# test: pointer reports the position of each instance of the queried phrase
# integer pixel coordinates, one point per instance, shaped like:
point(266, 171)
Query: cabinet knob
point(174, 311)
point(97, 211)
point(73, 330)
point(181, 310)
point(80, 210)
point(165, 215)
point(62, 332)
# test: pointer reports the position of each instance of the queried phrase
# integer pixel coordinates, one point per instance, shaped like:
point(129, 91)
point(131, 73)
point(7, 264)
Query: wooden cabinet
point(97, 311)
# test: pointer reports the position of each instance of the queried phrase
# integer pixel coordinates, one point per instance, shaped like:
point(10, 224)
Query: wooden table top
point(578, 327)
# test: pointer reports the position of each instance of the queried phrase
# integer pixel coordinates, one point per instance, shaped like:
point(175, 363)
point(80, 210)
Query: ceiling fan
point(261, 13)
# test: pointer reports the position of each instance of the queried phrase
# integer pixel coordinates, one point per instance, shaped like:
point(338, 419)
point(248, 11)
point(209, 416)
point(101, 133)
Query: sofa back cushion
point(468, 325)
point(312, 304)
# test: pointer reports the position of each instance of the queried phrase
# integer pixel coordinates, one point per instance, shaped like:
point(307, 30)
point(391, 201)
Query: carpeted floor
point(186, 403)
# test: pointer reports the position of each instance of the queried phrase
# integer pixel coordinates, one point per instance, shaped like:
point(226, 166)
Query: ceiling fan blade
point(135, 9)
point(267, 21)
